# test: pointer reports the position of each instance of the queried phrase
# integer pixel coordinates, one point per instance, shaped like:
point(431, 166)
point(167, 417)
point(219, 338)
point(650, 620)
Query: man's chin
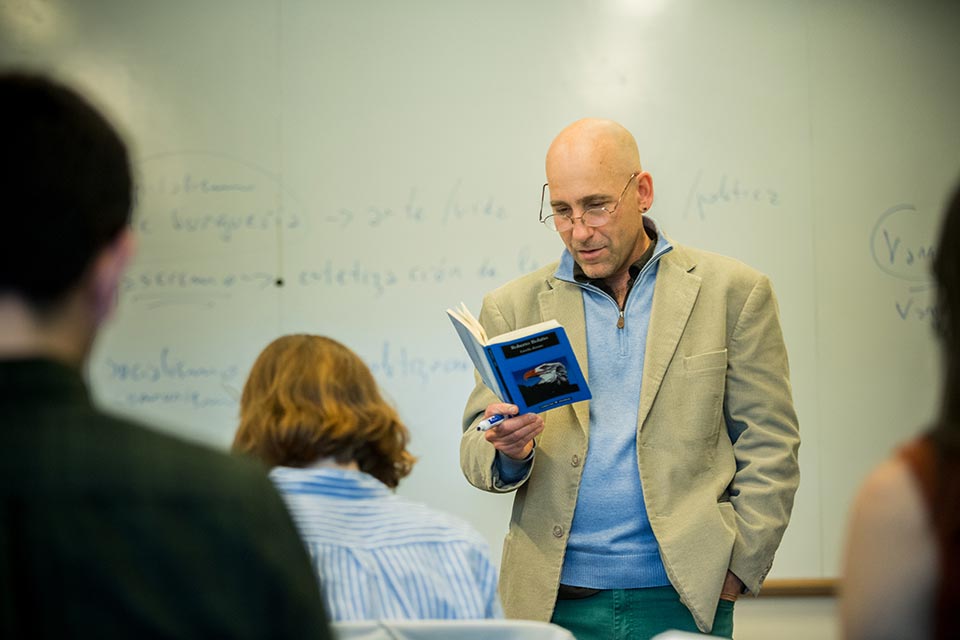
point(595, 271)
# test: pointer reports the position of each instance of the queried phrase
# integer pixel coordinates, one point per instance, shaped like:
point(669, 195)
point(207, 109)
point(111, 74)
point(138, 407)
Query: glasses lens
point(596, 217)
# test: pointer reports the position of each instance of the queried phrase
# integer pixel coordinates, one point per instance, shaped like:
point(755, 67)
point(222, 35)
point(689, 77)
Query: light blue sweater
point(611, 544)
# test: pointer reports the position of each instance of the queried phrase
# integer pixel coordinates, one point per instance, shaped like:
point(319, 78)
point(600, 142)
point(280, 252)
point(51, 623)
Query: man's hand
point(732, 587)
point(514, 436)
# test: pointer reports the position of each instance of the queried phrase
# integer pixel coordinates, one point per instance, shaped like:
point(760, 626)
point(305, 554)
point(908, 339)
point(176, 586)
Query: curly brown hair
point(309, 397)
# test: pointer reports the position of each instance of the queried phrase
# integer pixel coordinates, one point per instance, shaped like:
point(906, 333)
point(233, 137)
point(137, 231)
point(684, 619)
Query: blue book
point(533, 367)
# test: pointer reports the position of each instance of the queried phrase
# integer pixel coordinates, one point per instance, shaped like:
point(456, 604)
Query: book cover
point(533, 367)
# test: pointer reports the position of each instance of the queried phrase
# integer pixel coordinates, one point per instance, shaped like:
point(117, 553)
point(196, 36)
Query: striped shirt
point(381, 556)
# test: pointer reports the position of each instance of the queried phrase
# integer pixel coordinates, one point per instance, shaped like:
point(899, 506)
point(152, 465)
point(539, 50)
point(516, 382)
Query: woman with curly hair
point(312, 411)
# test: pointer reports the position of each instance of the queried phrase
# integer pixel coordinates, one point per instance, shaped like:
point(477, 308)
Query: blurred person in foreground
point(312, 411)
point(901, 576)
point(107, 528)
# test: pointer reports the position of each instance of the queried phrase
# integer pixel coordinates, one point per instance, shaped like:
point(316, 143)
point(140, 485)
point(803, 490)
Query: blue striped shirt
point(381, 556)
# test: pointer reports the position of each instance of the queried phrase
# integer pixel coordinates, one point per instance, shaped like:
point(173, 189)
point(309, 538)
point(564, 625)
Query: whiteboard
point(353, 169)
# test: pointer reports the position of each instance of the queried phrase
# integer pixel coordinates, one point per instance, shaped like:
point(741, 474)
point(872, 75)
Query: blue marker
point(492, 421)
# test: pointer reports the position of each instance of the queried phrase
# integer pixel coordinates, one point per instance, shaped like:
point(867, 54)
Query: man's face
point(604, 252)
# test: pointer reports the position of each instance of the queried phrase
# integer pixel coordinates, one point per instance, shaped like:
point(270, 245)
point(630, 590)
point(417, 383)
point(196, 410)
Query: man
point(108, 529)
point(655, 504)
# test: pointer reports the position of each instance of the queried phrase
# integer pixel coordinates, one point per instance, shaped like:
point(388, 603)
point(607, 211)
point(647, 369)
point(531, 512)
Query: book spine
point(495, 365)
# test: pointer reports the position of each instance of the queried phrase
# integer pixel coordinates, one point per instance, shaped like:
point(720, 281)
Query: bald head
point(592, 147)
point(591, 165)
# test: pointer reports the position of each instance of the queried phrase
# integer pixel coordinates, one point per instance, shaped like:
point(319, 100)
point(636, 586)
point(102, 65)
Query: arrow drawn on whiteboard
point(343, 216)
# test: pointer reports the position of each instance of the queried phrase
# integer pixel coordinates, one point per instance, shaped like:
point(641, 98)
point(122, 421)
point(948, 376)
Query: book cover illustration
point(544, 382)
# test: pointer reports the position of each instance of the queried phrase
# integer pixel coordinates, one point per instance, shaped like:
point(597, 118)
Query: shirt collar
point(330, 481)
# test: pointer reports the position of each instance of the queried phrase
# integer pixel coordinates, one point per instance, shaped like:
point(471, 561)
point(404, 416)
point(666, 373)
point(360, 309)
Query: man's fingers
point(500, 408)
point(515, 431)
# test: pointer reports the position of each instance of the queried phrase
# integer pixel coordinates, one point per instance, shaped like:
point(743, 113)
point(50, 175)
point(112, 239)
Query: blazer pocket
point(705, 363)
point(699, 401)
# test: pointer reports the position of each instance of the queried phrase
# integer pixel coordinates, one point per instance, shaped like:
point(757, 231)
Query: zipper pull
point(620, 320)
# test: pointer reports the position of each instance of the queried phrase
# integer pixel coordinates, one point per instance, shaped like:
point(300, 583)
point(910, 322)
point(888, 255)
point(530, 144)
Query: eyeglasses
point(592, 217)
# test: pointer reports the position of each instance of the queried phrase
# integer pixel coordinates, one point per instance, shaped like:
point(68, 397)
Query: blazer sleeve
point(763, 428)
point(477, 456)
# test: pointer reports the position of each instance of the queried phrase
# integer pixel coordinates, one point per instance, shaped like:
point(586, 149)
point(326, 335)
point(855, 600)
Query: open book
point(533, 367)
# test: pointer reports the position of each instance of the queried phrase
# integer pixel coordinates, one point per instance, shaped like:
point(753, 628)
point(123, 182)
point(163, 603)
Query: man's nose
point(580, 228)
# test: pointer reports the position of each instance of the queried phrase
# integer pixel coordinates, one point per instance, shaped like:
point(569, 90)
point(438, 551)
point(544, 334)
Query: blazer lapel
point(563, 302)
point(674, 294)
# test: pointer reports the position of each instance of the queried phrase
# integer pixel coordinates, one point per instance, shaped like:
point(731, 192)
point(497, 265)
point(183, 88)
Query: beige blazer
point(717, 434)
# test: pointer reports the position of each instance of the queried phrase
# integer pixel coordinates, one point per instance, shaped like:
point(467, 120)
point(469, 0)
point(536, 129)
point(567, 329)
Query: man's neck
point(24, 333)
point(619, 283)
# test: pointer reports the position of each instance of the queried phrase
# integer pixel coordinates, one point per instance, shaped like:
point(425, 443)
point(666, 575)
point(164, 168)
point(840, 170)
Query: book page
point(475, 348)
point(468, 320)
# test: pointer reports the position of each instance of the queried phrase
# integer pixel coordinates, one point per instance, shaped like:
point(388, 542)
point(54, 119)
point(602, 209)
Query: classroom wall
point(353, 169)
point(800, 618)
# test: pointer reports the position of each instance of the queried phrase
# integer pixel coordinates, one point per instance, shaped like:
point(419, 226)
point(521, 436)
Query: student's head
point(308, 398)
point(65, 195)
point(946, 273)
point(590, 164)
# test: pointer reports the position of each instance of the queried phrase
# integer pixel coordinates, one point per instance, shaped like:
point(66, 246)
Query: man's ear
point(108, 268)
point(644, 191)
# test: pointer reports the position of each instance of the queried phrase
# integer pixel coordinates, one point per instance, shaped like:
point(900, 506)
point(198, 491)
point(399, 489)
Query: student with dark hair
point(312, 411)
point(901, 576)
point(108, 528)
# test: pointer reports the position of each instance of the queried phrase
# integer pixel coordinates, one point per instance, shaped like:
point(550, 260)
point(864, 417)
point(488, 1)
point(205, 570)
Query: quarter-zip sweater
point(611, 544)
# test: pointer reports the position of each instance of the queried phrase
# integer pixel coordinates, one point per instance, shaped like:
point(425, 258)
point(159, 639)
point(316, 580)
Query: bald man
point(657, 503)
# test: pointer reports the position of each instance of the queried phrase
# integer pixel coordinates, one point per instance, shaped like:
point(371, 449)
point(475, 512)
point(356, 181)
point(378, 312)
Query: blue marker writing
point(492, 421)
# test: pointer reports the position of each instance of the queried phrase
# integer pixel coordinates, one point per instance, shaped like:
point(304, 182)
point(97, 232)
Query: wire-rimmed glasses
point(592, 217)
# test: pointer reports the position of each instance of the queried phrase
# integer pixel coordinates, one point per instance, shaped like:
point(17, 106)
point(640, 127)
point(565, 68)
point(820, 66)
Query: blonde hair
point(309, 397)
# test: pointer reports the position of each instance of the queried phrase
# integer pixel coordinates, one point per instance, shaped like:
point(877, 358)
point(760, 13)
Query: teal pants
point(634, 614)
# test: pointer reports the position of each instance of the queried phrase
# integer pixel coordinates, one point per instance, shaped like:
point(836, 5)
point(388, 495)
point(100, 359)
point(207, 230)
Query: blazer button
point(575, 460)
point(557, 531)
